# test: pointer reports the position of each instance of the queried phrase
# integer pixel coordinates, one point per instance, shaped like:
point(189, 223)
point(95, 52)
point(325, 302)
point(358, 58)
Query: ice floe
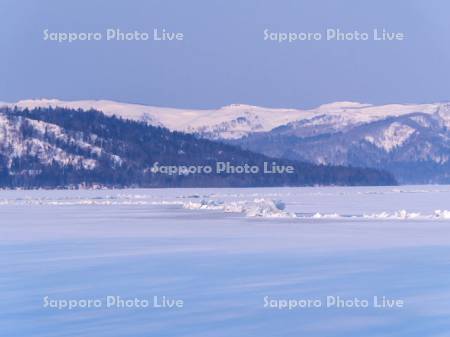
point(260, 205)
point(267, 208)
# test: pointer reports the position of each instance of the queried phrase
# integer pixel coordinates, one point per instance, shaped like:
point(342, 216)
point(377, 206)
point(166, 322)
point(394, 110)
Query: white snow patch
point(442, 214)
point(392, 137)
point(326, 216)
point(399, 215)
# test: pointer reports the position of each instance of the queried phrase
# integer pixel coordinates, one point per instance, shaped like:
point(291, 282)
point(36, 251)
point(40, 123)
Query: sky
point(223, 57)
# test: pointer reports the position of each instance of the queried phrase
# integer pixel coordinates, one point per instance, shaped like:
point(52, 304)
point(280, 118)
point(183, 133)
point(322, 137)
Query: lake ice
point(225, 253)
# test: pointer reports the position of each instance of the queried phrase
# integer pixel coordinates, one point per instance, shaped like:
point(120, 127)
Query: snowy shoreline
point(262, 203)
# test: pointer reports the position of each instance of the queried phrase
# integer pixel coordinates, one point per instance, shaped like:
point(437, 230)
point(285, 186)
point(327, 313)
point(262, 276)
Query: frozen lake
point(232, 256)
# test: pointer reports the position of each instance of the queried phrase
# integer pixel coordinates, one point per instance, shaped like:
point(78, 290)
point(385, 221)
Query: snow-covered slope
point(238, 120)
point(393, 136)
point(14, 145)
point(410, 140)
point(65, 147)
point(415, 147)
point(233, 121)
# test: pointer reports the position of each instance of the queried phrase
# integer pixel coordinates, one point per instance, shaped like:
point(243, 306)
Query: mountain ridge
point(235, 120)
point(396, 137)
point(47, 147)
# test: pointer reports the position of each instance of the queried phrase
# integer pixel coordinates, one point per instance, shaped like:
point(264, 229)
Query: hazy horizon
point(218, 107)
point(224, 58)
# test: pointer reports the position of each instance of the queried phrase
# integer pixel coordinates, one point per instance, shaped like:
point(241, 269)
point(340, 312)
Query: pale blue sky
point(224, 58)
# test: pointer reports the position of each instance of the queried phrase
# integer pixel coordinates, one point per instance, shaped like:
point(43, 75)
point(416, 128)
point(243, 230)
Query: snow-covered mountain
point(239, 120)
point(51, 147)
point(229, 122)
point(410, 140)
point(415, 147)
